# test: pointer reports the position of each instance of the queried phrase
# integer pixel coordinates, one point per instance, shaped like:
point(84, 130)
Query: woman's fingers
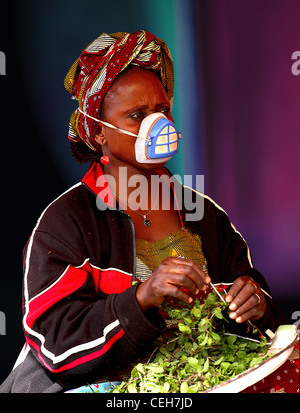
point(190, 275)
point(249, 309)
point(167, 280)
point(247, 301)
point(240, 291)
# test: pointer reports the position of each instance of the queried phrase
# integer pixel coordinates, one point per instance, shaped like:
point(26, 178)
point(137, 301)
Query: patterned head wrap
point(92, 74)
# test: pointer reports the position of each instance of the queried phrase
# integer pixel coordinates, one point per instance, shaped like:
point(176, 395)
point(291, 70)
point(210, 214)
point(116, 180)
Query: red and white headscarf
point(93, 73)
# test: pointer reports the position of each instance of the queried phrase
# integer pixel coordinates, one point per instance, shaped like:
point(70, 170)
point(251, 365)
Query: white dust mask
point(157, 139)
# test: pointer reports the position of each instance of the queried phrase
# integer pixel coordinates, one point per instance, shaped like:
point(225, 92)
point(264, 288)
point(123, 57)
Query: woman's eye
point(137, 115)
point(141, 115)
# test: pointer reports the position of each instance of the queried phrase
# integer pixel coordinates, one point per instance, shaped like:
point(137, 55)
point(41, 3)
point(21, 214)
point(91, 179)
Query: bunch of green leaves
point(198, 355)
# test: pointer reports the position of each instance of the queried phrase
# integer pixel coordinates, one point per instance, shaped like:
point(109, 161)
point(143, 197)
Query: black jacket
point(81, 317)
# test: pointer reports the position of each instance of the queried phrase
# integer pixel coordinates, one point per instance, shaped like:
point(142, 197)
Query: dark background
point(236, 102)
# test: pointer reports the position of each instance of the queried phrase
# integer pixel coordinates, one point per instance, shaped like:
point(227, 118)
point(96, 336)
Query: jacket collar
point(95, 180)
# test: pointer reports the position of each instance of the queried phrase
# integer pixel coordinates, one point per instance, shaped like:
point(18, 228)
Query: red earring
point(104, 159)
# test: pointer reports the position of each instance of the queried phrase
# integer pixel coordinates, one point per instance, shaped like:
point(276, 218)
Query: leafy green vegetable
point(199, 354)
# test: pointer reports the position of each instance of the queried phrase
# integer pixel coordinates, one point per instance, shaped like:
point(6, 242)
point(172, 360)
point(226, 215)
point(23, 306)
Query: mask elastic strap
point(112, 126)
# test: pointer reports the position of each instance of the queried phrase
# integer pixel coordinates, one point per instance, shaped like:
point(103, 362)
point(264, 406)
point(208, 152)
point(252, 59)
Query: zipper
point(133, 243)
point(132, 231)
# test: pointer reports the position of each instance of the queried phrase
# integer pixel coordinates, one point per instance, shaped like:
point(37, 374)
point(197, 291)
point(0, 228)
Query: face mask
point(157, 139)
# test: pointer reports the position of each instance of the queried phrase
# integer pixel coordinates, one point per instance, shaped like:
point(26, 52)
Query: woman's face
point(134, 95)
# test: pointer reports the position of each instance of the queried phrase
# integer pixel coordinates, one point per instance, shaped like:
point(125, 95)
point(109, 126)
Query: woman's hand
point(247, 300)
point(172, 274)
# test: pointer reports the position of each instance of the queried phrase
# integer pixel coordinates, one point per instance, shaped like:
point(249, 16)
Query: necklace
point(147, 222)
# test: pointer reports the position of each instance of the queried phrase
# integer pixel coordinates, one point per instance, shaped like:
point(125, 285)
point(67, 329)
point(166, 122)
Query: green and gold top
point(181, 243)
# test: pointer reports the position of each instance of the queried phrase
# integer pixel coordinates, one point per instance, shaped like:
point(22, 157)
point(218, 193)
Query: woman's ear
point(100, 137)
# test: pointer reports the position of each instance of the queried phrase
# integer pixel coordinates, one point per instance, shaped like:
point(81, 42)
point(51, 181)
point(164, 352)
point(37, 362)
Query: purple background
point(252, 127)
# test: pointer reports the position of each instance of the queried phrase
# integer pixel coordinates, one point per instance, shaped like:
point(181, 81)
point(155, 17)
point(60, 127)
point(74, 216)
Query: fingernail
point(228, 299)
point(232, 307)
point(197, 292)
point(207, 280)
point(232, 315)
point(239, 319)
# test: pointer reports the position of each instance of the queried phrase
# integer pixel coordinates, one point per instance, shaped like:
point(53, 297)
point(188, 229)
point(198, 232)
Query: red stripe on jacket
point(109, 281)
point(73, 279)
point(80, 360)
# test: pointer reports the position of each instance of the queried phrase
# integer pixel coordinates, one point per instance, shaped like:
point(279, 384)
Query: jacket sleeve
point(71, 326)
point(229, 258)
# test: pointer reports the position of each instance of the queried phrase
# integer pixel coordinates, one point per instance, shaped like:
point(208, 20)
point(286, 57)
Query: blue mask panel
point(157, 139)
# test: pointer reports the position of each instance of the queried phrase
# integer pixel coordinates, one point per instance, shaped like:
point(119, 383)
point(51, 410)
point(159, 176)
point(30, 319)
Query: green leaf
point(134, 372)
point(140, 367)
point(206, 365)
point(216, 337)
point(170, 346)
point(217, 362)
point(196, 312)
point(209, 341)
point(155, 369)
point(253, 345)
point(184, 329)
point(131, 388)
point(212, 299)
point(218, 312)
point(183, 338)
point(242, 342)
point(204, 341)
point(225, 365)
point(231, 339)
point(164, 351)
point(193, 362)
point(184, 387)
point(239, 368)
point(166, 387)
point(255, 361)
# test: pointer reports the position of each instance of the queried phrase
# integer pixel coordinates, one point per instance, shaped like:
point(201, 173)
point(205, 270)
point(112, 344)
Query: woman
point(100, 261)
